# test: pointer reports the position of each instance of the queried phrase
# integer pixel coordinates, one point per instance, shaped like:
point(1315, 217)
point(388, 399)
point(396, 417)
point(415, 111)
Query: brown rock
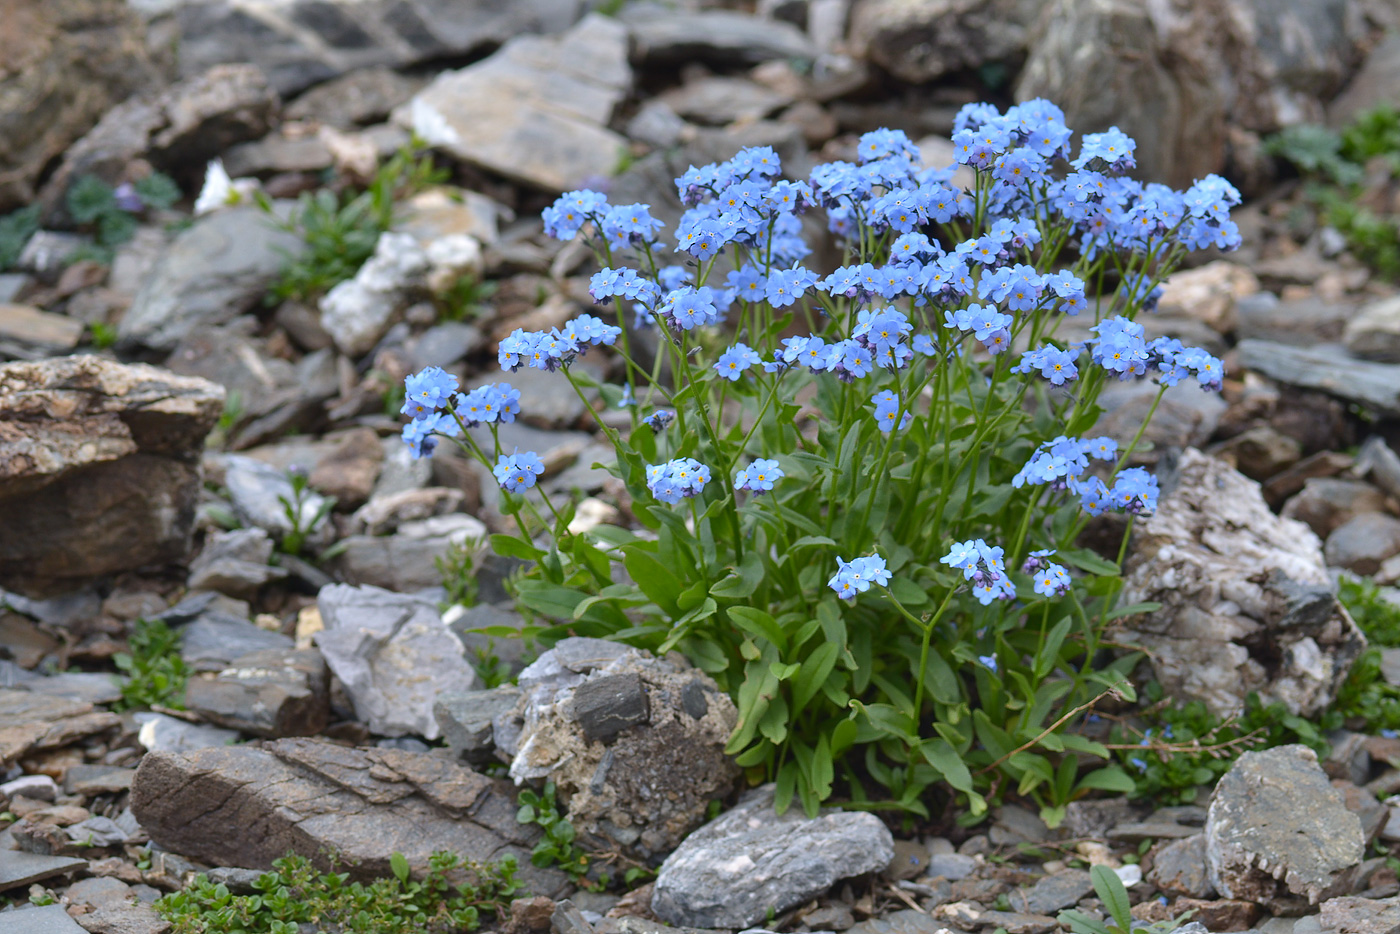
point(1259, 453)
point(270, 692)
point(530, 915)
point(1356, 915)
point(246, 806)
point(124, 919)
point(1208, 293)
point(1328, 502)
point(1322, 464)
point(348, 473)
point(34, 722)
point(30, 329)
point(1179, 868)
point(1363, 543)
point(1226, 914)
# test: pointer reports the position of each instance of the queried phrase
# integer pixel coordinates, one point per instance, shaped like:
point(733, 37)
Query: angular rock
point(951, 866)
point(124, 919)
point(717, 100)
point(751, 863)
point(162, 733)
point(1246, 601)
point(666, 35)
point(1376, 83)
point(357, 312)
point(1260, 452)
point(277, 153)
point(1374, 334)
point(32, 723)
point(28, 333)
point(537, 110)
point(1208, 293)
point(18, 868)
point(904, 921)
point(467, 719)
point(311, 797)
point(214, 271)
point(385, 512)
point(408, 559)
point(635, 745)
point(1277, 826)
point(214, 639)
point(270, 693)
point(98, 466)
point(261, 495)
point(1357, 915)
point(235, 563)
point(394, 656)
point(90, 687)
point(1327, 368)
point(96, 779)
point(349, 471)
point(50, 919)
point(1183, 419)
point(176, 130)
point(364, 96)
point(301, 42)
point(1379, 464)
point(920, 40)
point(1363, 543)
point(1325, 503)
point(65, 63)
point(1179, 868)
point(1063, 889)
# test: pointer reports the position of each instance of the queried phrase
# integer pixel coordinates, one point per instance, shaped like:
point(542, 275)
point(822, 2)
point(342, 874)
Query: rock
point(235, 563)
point(466, 720)
point(92, 780)
point(162, 733)
point(951, 866)
point(1374, 334)
point(217, 269)
point(1225, 914)
point(752, 862)
point(301, 42)
point(920, 40)
point(1327, 368)
point(1356, 915)
point(537, 110)
point(718, 100)
point(1301, 322)
point(1325, 503)
point(1246, 601)
point(1017, 923)
point(1260, 452)
point(634, 744)
point(1063, 889)
point(98, 466)
point(530, 915)
point(359, 98)
point(38, 787)
point(1363, 543)
point(314, 797)
point(233, 358)
point(98, 891)
point(261, 495)
point(439, 213)
point(407, 560)
point(270, 693)
point(214, 639)
point(88, 686)
point(1276, 825)
point(349, 471)
point(66, 62)
point(386, 512)
point(277, 153)
point(904, 921)
point(1185, 417)
point(357, 312)
point(18, 868)
point(1179, 868)
point(23, 641)
point(124, 919)
point(176, 130)
point(666, 35)
point(31, 723)
point(1208, 293)
point(509, 650)
point(28, 333)
point(1379, 464)
point(1211, 72)
point(394, 656)
point(445, 344)
point(50, 919)
point(1376, 83)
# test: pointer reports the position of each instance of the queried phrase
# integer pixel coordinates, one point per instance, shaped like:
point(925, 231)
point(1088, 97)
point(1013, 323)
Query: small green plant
point(556, 847)
point(103, 335)
point(15, 231)
point(453, 896)
point(466, 299)
point(112, 214)
point(42, 898)
point(340, 231)
point(488, 666)
point(458, 571)
point(295, 509)
point(155, 671)
point(1114, 896)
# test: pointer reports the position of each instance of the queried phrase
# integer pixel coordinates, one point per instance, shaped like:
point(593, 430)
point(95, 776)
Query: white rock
point(357, 312)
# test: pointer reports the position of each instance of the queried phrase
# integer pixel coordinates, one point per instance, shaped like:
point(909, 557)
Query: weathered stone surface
point(1260, 452)
point(394, 656)
point(35, 722)
point(467, 720)
point(235, 563)
point(364, 96)
point(666, 35)
point(1363, 543)
point(214, 271)
point(638, 760)
point(1374, 334)
point(212, 640)
point(1246, 601)
point(406, 560)
point(1357, 915)
point(50, 919)
point(301, 42)
point(1059, 890)
point(18, 868)
point(1327, 368)
point(358, 311)
point(1379, 464)
point(177, 130)
point(537, 110)
point(751, 861)
point(717, 100)
point(1185, 418)
point(919, 40)
point(1377, 82)
point(1325, 503)
point(1208, 293)
point(63, 63)
point(28, 333)
point(267, 693)
point(1179, 868)
point(123, 918)
point(96, 779)
point(1277, 825)
point(246, 806)
point(260, 492)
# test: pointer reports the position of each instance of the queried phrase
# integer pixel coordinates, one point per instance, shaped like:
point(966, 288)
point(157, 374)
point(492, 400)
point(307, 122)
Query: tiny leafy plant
point(155, 671)
point(454, 896)
point(857, 494)
point(556, 847)
point(466, 299)
point(302, 520)
point(1114, 896)
point(15, 231)
point(112, 214)
point(458, 571)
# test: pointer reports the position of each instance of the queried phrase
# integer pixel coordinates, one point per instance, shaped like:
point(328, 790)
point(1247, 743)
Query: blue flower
point(1054, 364)
point(759, 476)
point(734, 361)
point(677, 479)
point(989, 660)
point(687, 308)
point(430, 387)
point(567, 215)
point(518, 472)
point(627, 398)
point(587, 330)
point(1108, 151)
point(421, 434)
point(1052, 580)
point(1036, 560)
point(658, 420)
point(887, 411)
point(1141, 765)
point(856, 576)
point(1135, 491)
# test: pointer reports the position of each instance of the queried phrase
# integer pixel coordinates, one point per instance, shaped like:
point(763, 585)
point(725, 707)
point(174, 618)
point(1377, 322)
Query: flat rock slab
point(35, 722)
point(51, 919)
point(537, 110)
point(1327, 368)
point(246, 806)
point(1276, 823)
point(1356, 915)
point(19, 868)
point(750, 862)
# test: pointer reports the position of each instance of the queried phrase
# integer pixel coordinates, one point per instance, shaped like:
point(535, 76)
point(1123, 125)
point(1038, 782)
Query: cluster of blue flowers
point(438, 409)
point(518, 472)
point(1062, 463)
point(677, 479)
point(983, 567)
point(549, 350)
point(759, 477)
point(855, 576)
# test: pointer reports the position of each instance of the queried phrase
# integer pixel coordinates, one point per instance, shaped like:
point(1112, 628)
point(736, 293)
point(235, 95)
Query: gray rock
point(920, 40)
point(29, 334)
point(466, 720)
point(38, 787)
point(18, 868)
point(509, 650)
point(605, 706)
point(1377, 82)
point(1327, 368)
point(951, 866)
point(1276, 825)
point(656, 124)
point(1379, 464)
point(260, 494)
point(274, 693)
point(233, 358)
point(90, 686)
point(718, 100)
point(1357, 915)
point(239, 881)
point(162, 733)
point(98, 891)
point(97, 831)
point(1247, 604)
point(96, 779)
point(1374, 334)
point(1186, 417)
point(1179, 868)
point(357, 312)
point(99, 466)
point(394, 656)
point(904, 921)
point(276, 153)
point(1324, 503)
point(213, 640)
point(124, 919)
point(1062, 889)
point(35, 722)
point(314, 798)
point(751, 862)
point(364, 96)
point(216, 270)
point(537, 110)
point(302, 42)
point(408, 559)
point(1301, 322)
point(50, 919)
point(400, 471)
point(1362, 544)
point(665, 35)
point(445, 344)
point(1138, 831)
point(235, 563)
point(1260, 452)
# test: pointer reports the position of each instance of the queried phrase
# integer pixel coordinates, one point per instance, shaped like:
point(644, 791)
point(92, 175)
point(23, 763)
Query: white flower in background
point(221, 191)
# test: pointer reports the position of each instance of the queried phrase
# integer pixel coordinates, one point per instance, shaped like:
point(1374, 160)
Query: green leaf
point(399, 864)
point(654, 578)
point(940, 754)
point(508, 546)
point(1114, 896)
point(1086, 560)
point(1109, 778)
point(815, 670)
point(758, 623)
